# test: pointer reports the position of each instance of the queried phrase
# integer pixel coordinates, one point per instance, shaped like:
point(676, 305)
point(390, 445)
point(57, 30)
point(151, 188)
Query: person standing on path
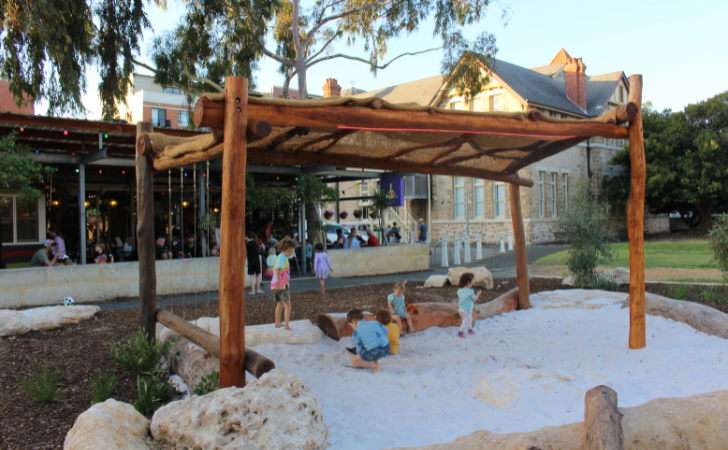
point(422, 231)
point(254, 269)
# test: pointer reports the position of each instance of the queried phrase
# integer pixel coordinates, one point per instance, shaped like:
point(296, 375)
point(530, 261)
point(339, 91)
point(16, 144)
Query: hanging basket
point(344, 215)
point(328, 215)
point(373, 213)
point(358, 213)
point(92, 220)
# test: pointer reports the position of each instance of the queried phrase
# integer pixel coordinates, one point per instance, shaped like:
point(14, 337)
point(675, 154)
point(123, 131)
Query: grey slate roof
point(549, 70)
point(599, 89)
point(351, 92)
point(422, 92)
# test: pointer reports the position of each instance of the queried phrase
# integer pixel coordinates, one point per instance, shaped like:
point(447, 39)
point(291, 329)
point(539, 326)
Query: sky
point(676, 46)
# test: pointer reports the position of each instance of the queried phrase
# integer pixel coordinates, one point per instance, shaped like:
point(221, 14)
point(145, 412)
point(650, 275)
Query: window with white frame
point(553, 194)
point(19, 220)
point(565, 189)
point(499, 199)
point(541, 176)
point(476, 104)
point(496, 102)
point(456, 104)
point(159, 117)
point(183, 118)
point(459, 184)
point(479, 195)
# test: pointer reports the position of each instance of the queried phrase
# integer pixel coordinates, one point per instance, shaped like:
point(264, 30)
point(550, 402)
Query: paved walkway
point(501, 265)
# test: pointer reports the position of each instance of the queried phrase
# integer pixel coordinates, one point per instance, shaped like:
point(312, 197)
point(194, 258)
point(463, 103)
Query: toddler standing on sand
point(466, 299)
point(395, 301)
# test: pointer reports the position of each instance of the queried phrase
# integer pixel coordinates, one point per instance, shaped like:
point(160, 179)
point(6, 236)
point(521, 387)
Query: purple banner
point(394, 186)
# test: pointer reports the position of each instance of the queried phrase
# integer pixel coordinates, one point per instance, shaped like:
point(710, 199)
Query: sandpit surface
point(522, 371)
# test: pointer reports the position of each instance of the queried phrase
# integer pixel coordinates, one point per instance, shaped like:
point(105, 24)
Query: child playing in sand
point(466, 298)
point(370, 339)
point(395, 301)
point(281, 280)
point(270, 262)
point(385, 318)
point(321, 266)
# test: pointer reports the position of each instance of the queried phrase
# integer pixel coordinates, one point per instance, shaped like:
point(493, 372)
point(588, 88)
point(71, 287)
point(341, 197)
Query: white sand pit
point(522, 371)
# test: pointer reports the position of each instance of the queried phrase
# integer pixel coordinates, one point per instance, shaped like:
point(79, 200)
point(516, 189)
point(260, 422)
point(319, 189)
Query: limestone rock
point(276, 412)
point(696, 422)
point(108, 425)
point(483, 278)
point(190, 361)
point(619, 274)
point(576, 298)
point(701, 317)
point(13, 322)
point(436, 281)
point(50, 317)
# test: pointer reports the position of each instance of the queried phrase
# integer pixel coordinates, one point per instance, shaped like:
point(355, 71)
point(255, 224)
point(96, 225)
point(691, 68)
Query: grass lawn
point(681, 254)
point(17, 265)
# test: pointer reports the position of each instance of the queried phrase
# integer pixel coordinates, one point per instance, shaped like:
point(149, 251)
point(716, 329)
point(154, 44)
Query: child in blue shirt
point(466, 299)
point(370, 339)
point(395, 301)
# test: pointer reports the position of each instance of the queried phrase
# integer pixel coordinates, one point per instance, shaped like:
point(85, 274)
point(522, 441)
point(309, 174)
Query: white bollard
point(503, 242)
point(456, 253)
point(443, 250)
point(466, 250)
point(510, 241)
point(413, 236)
point(479, 246)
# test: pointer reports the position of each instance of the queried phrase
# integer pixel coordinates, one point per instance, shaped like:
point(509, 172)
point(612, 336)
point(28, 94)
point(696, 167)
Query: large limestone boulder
point(108, 425)
point(483, 278)
point(190, 361)
point(302, 332)
point(619, 274)
point(436, 281)
point(276, 412)
point(576, 298)
point(13, 322)
point(50, 317)
point(701, 317)
point(696, 422)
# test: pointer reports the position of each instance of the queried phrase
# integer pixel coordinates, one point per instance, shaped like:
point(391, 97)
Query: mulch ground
point(79, 351)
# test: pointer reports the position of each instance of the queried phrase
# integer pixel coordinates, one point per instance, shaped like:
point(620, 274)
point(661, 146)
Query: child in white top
point(466, 299)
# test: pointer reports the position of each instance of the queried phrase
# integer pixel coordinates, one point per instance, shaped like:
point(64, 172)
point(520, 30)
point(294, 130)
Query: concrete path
point(501, 265)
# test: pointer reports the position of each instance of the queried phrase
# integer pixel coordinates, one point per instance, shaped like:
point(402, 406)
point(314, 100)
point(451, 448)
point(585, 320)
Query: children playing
point(385, 318)
point(270, 262)
point(395, 301)
point(321, 266)
point(281, 280)
point(370, 339)
point(466, 298)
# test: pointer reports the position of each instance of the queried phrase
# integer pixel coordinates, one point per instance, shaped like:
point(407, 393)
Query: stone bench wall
point(379, 260)
point(95, 282)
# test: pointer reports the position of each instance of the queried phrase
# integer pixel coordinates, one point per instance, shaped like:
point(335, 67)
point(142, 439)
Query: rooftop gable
point(561, 58)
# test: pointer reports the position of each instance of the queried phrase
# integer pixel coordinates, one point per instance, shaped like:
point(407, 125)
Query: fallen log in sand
point(602, 420)
point(424, 315)
point(703, 318)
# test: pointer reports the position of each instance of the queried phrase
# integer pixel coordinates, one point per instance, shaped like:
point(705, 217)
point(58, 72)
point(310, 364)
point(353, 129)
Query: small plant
point(92, 212)
point(718, 239)
point(153, 388)
point(207, 222)
point(358, 212)
point(208, 384)
point(140, 354)
point(710, 294)
point(102, 386)
point(43, 386)
point(680, 292)
point(605, 283)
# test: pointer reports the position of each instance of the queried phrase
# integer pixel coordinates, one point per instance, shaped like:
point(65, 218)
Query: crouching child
point(370, 339)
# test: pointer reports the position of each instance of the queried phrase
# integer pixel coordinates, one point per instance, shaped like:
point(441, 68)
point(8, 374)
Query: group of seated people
point(172, 247)
point(354, 240)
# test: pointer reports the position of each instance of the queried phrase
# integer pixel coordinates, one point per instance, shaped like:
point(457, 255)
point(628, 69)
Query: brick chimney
point(575, 72)
point(332, 88)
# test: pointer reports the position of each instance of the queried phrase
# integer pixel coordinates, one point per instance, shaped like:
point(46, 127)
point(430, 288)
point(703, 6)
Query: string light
point(100, 171)
point(123, 172)
point(65, 132)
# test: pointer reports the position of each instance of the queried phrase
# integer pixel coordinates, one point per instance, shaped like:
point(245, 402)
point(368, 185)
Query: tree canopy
point(18, 170)
point(687, 162)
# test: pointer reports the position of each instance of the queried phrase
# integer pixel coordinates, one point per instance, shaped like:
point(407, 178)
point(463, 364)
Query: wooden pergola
point(369, 134)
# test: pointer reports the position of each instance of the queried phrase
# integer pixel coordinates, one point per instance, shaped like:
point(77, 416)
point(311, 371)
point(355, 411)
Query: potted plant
point(358, 212)
point(344, 214)
point(373, 213)
point(328, 214)
point(92, 215)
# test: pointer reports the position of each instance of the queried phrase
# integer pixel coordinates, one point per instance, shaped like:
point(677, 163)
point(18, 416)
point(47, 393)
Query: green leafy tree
point(687, 162)
point(585, 227)
point(18, 171)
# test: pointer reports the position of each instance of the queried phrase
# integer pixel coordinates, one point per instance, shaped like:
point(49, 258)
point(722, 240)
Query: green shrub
point(153, 388)
point(139, 355)
point(680, 292)
point(208, 384)
point(718, 239)
point(711, 295)
point(102, 386)
point(43, 385)
point(584, 227)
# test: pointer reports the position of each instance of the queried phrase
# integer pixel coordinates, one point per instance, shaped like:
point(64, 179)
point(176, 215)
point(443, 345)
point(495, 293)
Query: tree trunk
point(706, 219)
point(301, 74)
point(312, 216)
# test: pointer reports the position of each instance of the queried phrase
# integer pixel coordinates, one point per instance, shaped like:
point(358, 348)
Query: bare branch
point(297, 37)
point(334, 37)
point(366, 61)
point(202, 80)
point(341, 15)
point(280, 59)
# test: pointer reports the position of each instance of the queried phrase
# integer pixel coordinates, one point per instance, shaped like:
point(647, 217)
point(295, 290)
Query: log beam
point(255, 363)
point(145, 235)
point(602, 420)
point(519, 234)
point(621, 114)
point(208, 114)
point(232, 263)
point(636, 221)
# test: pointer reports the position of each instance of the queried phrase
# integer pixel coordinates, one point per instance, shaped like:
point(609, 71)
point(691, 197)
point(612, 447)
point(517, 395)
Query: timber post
point(524, 288)
point(145, 237)
point(636, 220)
point(232, 257)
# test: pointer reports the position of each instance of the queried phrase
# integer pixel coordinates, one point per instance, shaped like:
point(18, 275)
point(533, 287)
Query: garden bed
point(79, 351)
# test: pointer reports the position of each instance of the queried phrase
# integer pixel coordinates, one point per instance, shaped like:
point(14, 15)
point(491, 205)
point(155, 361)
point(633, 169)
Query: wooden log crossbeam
point(455, 147)
point(492, 153)
point(333, 137)
point(621, 114)
point(452, 142)
point(543, 152)
point(287, 136)
point(255, 363)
